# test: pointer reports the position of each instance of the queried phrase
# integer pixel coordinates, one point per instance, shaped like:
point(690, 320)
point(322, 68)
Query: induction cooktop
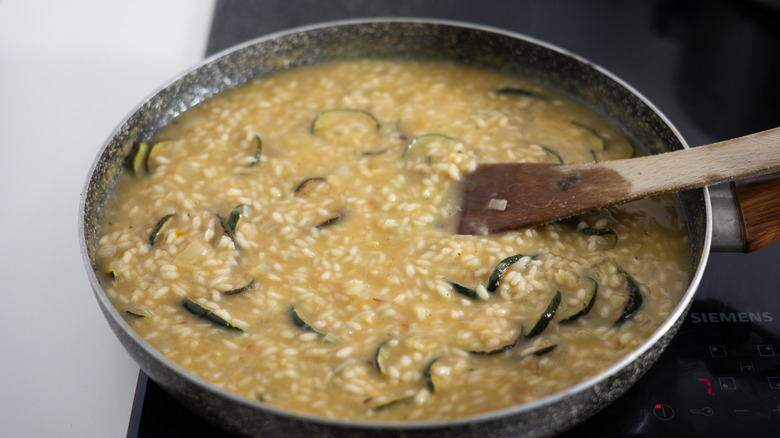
point(711, 67)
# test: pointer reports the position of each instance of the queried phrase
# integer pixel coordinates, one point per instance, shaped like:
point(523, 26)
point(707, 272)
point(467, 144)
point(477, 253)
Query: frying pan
point(415, 39)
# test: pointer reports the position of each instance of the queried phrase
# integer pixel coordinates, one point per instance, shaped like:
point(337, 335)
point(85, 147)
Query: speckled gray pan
point(410, 39)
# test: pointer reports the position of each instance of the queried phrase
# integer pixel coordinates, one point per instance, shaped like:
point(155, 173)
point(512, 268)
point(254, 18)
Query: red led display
point(709, 386)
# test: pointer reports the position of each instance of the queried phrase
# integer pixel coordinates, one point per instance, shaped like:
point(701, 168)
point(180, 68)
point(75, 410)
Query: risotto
point(292, 242)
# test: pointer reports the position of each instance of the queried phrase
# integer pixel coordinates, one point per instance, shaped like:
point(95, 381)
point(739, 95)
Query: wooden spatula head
point(504, 196)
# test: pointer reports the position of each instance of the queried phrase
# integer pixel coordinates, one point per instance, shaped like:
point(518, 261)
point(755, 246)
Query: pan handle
point(759, 204)
point(746, 215)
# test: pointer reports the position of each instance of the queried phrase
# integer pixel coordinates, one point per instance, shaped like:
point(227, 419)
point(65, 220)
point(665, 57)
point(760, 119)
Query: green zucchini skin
point(379, 359)
point(607, 233)
point(235, 216)
point(300, 323)
point(230, 224)
point(323, 116)
point(596, 138)
point(495, 277)
point(392, 403)
point(258, 150)
point(501, 349)
point(542, 351)
point(546, 316)
point(307, 185)
point(331, 220)
point(556, 155)
point(138, 158)
point(373, 153)
point(154, 150)
point(158, 228)
point(239, 290)
point(225, 227)
point(493, 281)
point(463, 290)
point(597, 231)
point(633, 303)
point(513, 91)
point(204, 313)
point(586, 306)
point(427, 375)
point(423, 140)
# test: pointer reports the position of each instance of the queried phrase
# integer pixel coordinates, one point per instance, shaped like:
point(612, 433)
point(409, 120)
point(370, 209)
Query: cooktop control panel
point(720, 375)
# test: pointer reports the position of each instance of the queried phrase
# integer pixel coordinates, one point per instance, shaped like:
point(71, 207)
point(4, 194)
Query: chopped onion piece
point(497, 204)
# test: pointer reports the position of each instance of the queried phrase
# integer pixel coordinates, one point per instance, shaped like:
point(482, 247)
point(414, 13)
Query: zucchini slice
point(380, 358)
point(373, 153)
point(513, 91)
point(633, 146)
point(308, 185)
point(596, 140)
point(607, 233)
point(556, 156)
point(495, 277)
point(597, 231)
point(593, 288)
point(463, 290)
point(231, 223)
point(235, 216)
point(300, 323)
point(330, 220)
point(159, 228)
point(258, 150)
point(157, 150)
point(501, 349)
point(135, 314)
point(392, 403)
point(421, 141)
point(540, 352)
point(229, 231)
point(328, 120)
point(138, 162)
point(245, 288)
point(546, 316)
point(427, 377)
point(633, 301)
point(204, 313)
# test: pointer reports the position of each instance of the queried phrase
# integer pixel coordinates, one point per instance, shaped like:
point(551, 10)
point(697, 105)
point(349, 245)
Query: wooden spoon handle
point(759, 203)
point(743, 157)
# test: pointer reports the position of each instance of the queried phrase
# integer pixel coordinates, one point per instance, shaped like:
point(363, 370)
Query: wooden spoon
point(505, 196)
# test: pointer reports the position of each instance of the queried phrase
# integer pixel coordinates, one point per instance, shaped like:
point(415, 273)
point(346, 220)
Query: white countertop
point(69, 73)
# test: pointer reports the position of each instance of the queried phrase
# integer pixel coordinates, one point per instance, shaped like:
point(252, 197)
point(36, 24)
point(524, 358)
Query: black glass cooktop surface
point(712, 68)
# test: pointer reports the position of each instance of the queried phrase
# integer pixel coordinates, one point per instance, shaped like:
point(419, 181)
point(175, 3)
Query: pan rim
point(118, 323)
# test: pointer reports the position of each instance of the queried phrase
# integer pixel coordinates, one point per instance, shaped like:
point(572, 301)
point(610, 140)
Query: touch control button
point(718, 351)
point(774, 382)
point(706, 411)
point(766, 350)
point(727, 383)
point(663, 412)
